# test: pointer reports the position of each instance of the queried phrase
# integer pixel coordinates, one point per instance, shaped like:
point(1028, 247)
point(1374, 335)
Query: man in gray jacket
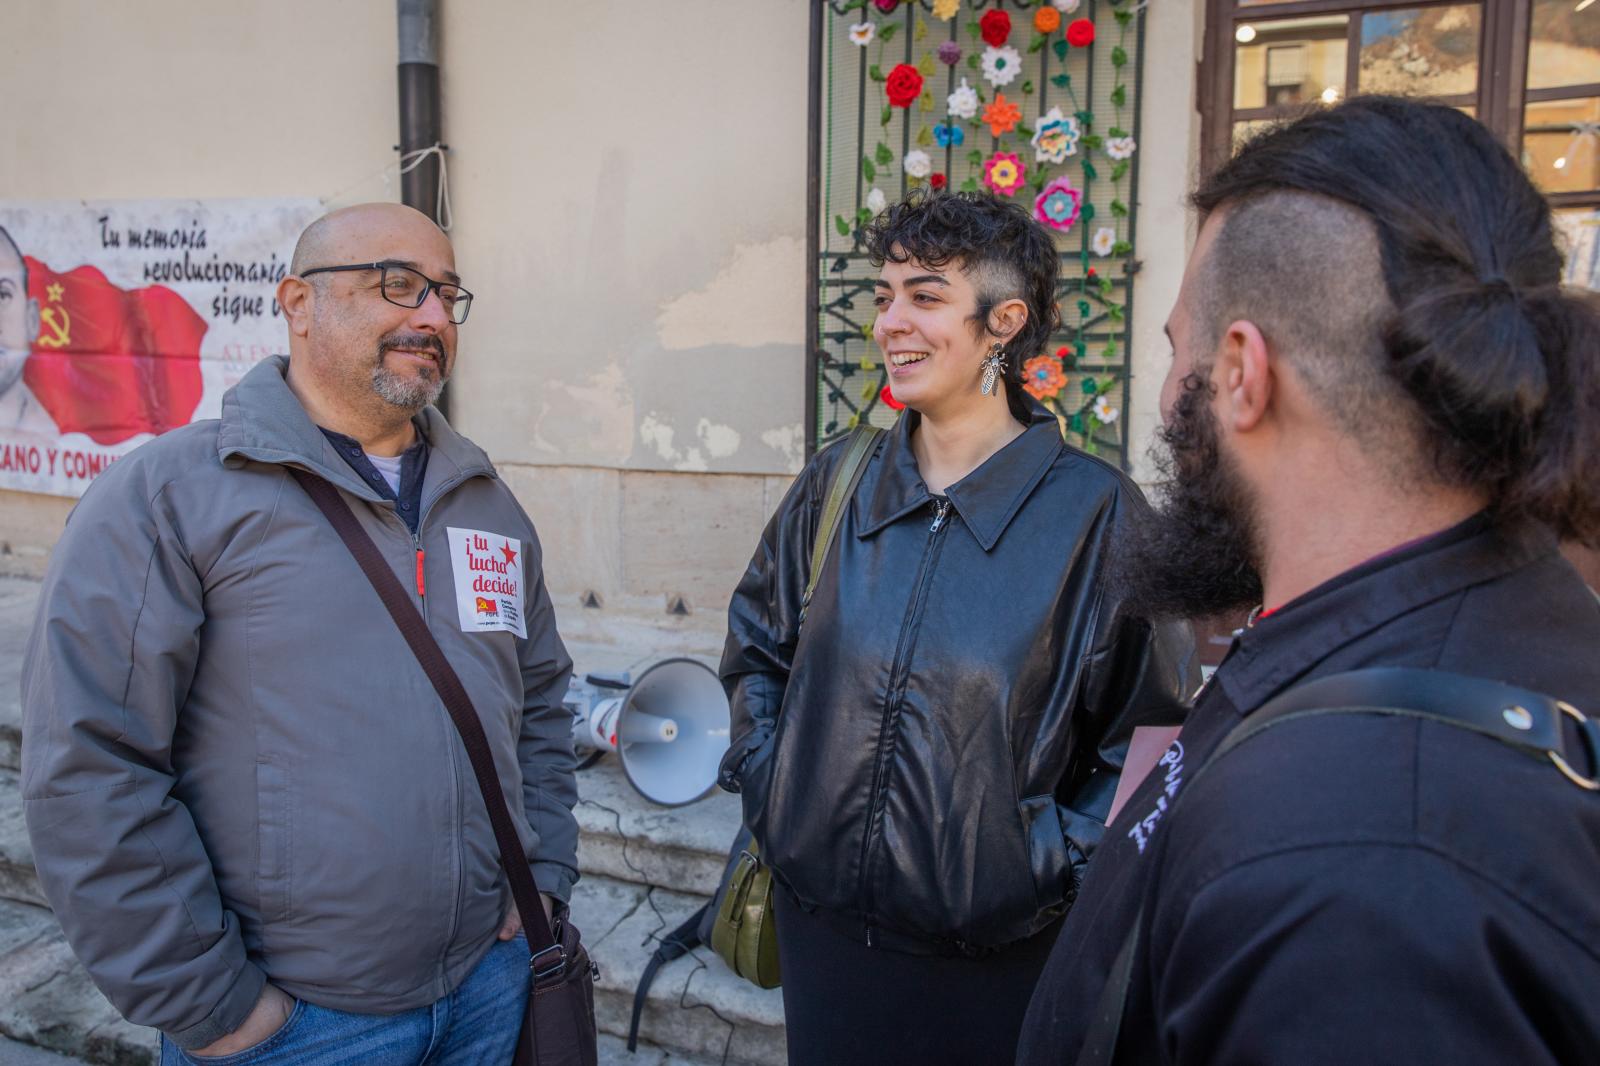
point(248, 806)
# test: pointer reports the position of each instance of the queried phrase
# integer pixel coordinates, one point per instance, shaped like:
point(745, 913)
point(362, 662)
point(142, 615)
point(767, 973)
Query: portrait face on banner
point(19, 316)
point(123, 320)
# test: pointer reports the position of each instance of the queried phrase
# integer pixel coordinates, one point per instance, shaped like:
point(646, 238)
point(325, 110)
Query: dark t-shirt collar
point(1275, 651)
point(413, 466)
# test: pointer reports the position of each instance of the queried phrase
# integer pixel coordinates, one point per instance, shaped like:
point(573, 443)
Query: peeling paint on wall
point(755, 300)
point(598, 415)
point(712, 441)
point(790, 442)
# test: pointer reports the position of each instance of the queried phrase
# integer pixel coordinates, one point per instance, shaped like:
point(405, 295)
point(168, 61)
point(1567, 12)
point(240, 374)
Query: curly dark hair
point(1495, 359)
point(998, 245)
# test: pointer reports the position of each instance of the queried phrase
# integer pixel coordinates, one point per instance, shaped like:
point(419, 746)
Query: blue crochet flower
point(949, 136)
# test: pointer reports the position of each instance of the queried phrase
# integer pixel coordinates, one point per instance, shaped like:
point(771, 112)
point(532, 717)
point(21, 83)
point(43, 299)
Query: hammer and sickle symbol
point(60, 328)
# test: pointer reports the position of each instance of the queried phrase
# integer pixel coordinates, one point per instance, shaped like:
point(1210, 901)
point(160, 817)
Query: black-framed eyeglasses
point(405, 287)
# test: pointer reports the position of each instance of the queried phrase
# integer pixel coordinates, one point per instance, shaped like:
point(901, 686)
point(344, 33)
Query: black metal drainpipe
point(420, 112)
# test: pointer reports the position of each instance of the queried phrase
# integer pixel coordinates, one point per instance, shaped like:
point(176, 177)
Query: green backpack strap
point(840, 489)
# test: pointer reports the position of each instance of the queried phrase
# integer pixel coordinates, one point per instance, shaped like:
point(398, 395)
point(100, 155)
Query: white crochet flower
point(1120, 147)
point(1066, 6)
point(876, 201)
point(1105, 239)
point(918, 164)
point(964, 101)
point(862, 33)
point(1002, 65)
point(1104, 410)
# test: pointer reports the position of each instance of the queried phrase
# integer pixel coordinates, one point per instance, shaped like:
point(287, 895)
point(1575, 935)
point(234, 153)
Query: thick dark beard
point(411, 394)
point(1195, 555)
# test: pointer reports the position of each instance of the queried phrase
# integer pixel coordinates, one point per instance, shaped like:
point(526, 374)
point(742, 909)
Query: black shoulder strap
point(541, 938)
point(1518, 717)
point(674, 945)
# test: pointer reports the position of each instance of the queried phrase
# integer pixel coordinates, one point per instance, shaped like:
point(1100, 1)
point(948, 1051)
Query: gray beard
point(411, 394)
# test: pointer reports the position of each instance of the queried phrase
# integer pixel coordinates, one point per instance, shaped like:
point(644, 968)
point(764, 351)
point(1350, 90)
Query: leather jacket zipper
point(908, 628)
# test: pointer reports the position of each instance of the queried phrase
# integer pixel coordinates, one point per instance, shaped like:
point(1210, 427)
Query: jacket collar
point(986, 499)
point(264, 422)
point(1280, 649)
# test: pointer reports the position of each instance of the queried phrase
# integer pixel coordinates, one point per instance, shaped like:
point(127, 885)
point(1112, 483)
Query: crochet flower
point(945, 10)
point(1047, 20)
point(917, 163)
point(1042, 377)
point(949, 135)
point(964, 101)
point(886, 394)
point(949, 53)
point(995, 27)
point(937, 180)
point(1104, 410)
point(1055, 137)
point(1105, 239)
point(1001, 65)
point(886, 6)
point(1120, 147)
point(1058, 204)
point(1080, 34)
point(862, 33)
point(1067, 6)
point(903, 85)
point(877, 201)
point(1003, 173)
point(1002, 115)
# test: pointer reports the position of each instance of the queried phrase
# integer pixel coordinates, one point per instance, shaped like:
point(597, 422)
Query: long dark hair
point(1503, 364)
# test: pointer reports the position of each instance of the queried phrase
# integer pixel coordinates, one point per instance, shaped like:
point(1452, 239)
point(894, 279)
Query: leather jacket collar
point(986, 499)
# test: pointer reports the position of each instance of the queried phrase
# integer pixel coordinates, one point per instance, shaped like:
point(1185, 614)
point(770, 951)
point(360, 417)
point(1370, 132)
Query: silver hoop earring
point(993, 364)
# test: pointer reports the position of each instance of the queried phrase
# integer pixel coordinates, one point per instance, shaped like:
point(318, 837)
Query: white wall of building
point(628, 184)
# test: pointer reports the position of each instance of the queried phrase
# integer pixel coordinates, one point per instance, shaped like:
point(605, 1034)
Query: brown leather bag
point(558, 1027)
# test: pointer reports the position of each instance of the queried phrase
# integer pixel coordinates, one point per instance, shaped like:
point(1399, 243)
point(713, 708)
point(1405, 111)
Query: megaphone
point(669, 728)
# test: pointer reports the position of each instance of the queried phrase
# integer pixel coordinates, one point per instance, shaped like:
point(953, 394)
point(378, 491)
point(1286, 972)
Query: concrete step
point(17, 599)
point(47, 1000)
point(696, 1006)
point(18, 882)
point(698, 1012)
point(626, 837)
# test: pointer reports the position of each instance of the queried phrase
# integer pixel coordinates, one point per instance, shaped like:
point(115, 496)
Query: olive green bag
point(743, 933)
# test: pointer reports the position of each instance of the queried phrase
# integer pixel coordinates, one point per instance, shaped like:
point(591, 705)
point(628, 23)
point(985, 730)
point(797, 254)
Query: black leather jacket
point(930, 762)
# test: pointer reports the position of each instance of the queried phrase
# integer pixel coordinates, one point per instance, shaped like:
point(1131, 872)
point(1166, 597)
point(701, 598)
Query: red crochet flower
point(904, 85)
point(887, 396)
point(1080, 34)
point(886, 6)
point(937, 180)
point(996, 27)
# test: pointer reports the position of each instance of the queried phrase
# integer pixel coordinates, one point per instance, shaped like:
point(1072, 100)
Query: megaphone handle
point(524, 890)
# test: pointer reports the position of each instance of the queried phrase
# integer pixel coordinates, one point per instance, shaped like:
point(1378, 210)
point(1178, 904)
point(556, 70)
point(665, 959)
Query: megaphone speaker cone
point(673, 731)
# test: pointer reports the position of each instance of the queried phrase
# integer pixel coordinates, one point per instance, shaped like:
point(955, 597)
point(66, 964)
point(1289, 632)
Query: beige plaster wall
point(1169, 146)
point(629, 194)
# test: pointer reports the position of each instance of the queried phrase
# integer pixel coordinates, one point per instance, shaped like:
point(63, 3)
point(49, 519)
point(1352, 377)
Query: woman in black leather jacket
point(928, 763)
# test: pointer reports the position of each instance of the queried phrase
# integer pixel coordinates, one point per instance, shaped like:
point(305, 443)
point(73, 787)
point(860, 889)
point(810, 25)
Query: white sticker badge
point(488, 573)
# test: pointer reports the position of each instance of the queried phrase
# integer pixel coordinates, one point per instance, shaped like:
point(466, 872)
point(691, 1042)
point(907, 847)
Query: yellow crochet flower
point(945, 10)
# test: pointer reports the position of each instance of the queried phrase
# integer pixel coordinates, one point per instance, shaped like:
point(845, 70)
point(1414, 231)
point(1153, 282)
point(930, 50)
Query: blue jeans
point(476, 1025)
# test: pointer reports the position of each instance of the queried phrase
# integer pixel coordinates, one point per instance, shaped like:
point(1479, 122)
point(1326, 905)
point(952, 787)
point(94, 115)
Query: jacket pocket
point(274, 838)
point(1047, 848)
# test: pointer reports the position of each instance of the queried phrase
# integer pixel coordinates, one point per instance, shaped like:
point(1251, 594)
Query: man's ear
point(294, 297)
point(1243, 375)
point(33, 321)
point(1007, 318)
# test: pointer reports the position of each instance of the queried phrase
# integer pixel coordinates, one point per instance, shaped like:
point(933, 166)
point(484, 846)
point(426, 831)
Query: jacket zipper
point(941, 510)
point(416, 542)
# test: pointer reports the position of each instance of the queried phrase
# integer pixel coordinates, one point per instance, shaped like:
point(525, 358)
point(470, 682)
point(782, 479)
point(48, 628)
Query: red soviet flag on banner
point(112, 363)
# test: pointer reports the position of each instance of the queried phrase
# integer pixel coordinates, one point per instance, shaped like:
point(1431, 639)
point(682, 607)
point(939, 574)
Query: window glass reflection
point(1430, 51)
point(1289, 61)
point(1564, 44)
point(1561, 144)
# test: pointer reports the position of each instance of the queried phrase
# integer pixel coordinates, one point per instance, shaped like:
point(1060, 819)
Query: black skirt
point(847, 1003)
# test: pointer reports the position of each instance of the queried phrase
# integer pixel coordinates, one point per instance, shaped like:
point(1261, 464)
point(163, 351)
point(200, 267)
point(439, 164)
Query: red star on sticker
point(510, 553)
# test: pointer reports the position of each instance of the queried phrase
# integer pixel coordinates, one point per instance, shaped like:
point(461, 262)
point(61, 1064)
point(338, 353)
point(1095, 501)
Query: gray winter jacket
point(234, 769)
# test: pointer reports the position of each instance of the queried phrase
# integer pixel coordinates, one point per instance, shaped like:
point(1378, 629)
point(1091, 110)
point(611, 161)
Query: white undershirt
point(389, 467)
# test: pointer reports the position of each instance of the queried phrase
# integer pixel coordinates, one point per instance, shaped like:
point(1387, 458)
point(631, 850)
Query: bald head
point(347, 235)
